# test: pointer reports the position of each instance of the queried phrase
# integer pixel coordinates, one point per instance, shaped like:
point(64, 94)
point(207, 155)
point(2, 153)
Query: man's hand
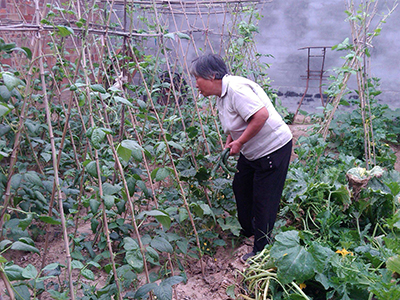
point(235, 147)
point(255, 124)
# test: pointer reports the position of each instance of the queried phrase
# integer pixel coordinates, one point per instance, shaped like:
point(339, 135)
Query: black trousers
point(258, 187)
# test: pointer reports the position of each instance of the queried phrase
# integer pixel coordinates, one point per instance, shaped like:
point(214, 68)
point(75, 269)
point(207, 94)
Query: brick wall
point(16, 11)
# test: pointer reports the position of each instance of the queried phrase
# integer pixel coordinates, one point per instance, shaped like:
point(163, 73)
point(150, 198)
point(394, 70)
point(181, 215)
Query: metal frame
point(314, 74)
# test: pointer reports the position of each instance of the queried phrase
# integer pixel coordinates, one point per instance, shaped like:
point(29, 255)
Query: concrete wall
point(293, 24)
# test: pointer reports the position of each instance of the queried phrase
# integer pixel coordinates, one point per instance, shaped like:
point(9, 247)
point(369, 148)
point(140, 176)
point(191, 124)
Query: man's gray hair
point(209, 66)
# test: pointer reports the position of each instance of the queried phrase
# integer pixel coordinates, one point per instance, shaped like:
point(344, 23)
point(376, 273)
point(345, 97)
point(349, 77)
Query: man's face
point(205, 86)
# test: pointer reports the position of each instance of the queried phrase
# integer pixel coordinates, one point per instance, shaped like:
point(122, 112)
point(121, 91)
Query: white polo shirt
point(240, 99)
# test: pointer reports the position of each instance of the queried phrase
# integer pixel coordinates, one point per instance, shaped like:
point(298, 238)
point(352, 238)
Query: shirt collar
point(225, 83)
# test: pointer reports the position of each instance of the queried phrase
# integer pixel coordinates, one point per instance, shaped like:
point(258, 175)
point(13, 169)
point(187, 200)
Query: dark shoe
point(245, 257)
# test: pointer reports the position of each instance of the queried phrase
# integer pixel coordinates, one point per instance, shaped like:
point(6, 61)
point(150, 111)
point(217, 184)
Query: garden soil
point(221, 271)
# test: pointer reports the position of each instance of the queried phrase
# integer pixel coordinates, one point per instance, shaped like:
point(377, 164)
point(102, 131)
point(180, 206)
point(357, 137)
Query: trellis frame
point(100, 37)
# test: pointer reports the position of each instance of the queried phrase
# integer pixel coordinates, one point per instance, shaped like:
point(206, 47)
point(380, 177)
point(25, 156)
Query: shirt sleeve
point(246, 102)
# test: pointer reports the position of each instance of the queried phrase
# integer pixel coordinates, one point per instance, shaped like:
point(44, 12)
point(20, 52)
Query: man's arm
point(256, 122)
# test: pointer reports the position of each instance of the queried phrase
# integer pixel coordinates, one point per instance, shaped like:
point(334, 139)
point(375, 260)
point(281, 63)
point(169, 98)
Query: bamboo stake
point(55, 167)
point(14, 153)
point(130, 200)
point(7, 283)
point(104, 215)
point(174, 169)
point(66, 127)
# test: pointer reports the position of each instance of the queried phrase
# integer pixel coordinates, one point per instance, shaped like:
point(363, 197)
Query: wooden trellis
point(123, 66)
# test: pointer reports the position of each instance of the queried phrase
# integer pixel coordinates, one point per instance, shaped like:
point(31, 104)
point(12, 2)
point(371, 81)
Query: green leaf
point(91, 168)
point(131, 183)
point(24, 50)
point(24, 247)
point(321, 256)
point(88, 274)
point(124, 153)
point(183, 214)
point(33, 177)
point(29, 272)
point(10, 81)
point(24, 223)
point(132, 145)
point(80, 22)
point(230, 223)
point(27, 240)
point(183, 246)
point(152, 256)
point(109, 189)
point(293, 261)
point(14, 272)
point(16, 181)
point(94, 205)
point(50, 220)
point(175, 145)
point(197, 209)
point(5, 94)
point(130, 244)
point(109, 201)
point(64, 30)
point(22, 292)
point(27, 52)
point(4, 244)
point(163, 292)
point(5, 109)
point(94, 223)
point(123, 101)
point(143, 187)
point(98, 88)
point(173, 280)
point(94, 264)
point(160, 174)
point(53, 269)
point(128, 148)
point(393, 264)
point(170, 35)
point(230, 291)
point(161, 217)
point(137, 154)
point(40, 197)
point(121, 206)
point(59, 296)
point(142, 104)
point(161, 244)
point(183, 36)
point(144, 290)
point(135, 259)
point(97, 137)
point(76, 264)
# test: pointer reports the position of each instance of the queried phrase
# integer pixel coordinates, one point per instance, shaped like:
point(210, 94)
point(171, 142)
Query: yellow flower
point(344, 252)
point(302, 286)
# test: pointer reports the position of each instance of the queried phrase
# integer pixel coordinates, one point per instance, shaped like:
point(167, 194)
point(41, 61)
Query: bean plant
point(337, 234)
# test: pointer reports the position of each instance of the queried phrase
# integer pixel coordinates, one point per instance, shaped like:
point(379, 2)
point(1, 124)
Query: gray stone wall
point(293, 24)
